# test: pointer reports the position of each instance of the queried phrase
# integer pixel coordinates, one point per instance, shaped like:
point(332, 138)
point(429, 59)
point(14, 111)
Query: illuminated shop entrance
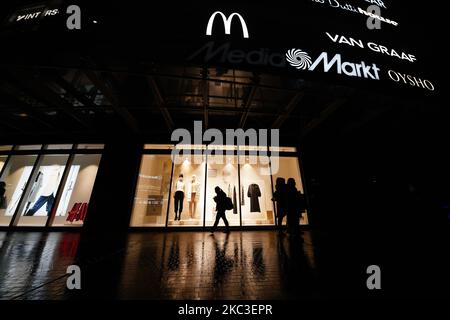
point(178, 191)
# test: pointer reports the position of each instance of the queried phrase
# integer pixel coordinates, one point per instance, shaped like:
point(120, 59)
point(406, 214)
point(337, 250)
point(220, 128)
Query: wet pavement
point(178, 265)
point(248, 265)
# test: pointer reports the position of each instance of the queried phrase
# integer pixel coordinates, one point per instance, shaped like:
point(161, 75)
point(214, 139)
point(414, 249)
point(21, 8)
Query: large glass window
point(187, 195)
point(288, 167)
point(188, 189)
point(40, 196)
point(58, 146)
point(5, 147)
point(223, 173)
point(29, 147)
point(256, 186)
point(90, 146)
point(15, 177)
point(76, 194)
point(2, 162)
point(152, 191)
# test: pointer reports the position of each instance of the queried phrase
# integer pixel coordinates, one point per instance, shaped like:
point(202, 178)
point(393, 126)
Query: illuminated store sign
point(336, 38)
point(36, 14)
point(349, 7)
point(227, 23)
point(301, 60)
point(376, 2)
point(225, 54)
point(410, 80)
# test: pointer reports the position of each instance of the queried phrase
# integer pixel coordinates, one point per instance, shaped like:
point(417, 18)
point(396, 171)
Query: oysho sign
point(410, 80)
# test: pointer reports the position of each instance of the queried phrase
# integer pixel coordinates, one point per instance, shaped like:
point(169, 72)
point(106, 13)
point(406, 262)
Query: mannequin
point(49, 182)
point(193, 195)
point(179, 197)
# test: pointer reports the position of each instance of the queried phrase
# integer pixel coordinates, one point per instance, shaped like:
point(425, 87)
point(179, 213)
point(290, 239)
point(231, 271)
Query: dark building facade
point(93, 96)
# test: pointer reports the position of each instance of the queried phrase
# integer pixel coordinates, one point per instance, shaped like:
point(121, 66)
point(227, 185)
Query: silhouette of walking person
point(295, 203)
point(221, 206)
point(279, 196)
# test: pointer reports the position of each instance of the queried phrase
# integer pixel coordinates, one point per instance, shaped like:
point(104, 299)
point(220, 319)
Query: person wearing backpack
point(223, 203)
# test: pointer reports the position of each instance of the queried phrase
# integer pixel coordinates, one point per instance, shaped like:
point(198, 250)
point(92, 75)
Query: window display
point(152, 192)
point(41, 193)
point(75, 197)
point(186, 196)
point(257, 208)
point(15, 177)
point(186, 203)
point(222, 173)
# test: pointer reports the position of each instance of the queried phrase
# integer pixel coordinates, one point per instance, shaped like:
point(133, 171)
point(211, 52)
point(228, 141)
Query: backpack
point(228, 203)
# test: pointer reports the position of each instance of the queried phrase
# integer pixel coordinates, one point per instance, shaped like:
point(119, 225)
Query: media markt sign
point(301, 60)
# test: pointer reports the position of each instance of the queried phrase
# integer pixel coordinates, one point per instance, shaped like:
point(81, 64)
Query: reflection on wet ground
point(33, 265)
point(239, 265)
point(177, 265)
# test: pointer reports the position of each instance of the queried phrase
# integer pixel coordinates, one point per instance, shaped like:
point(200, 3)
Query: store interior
point(173, 191)
point(43, 189)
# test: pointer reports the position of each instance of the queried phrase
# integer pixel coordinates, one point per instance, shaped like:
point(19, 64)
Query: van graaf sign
point(340, 39)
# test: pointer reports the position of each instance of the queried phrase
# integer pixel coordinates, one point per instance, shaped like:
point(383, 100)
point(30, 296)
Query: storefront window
point(158, 146)
point(257, 207)
point(74, 203)
point(15, 177)
point(152, 191)
point(188, 188)
point(2, 162)
point(288, 167)
point(244, 174)
point(29, 147)
point(5, 148)
point(223, 173)
point(90, 146)
point(58, 147)
point(40, 196)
